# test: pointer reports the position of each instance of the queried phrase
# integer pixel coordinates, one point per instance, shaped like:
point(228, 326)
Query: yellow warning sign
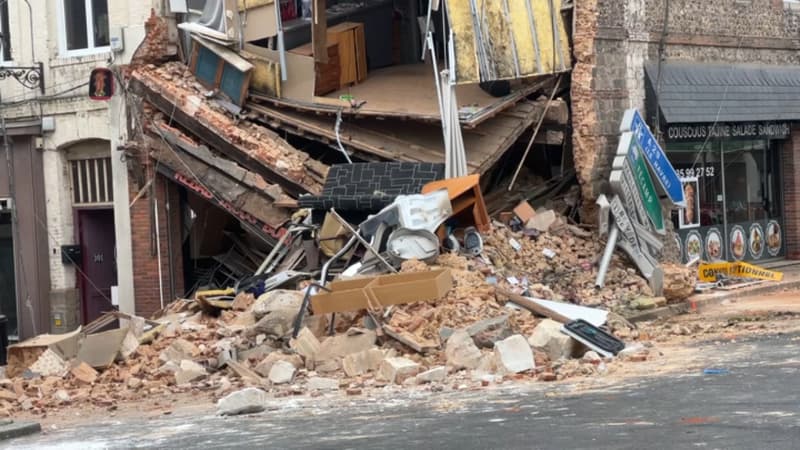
point(708, 272)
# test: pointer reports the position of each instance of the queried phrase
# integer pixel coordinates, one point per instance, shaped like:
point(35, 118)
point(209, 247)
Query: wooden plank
point(228, 55)
point(319, 31)
point(261, 22)
point(407, 141)
point(251, 4)
point(533, 307)
point(245, 372)
point(409, 339)
point(347, 57)
point(361, 52)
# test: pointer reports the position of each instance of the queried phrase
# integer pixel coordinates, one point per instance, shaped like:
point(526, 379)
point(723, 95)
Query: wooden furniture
point(352, 52)
point(467, 200)
point(326, 75)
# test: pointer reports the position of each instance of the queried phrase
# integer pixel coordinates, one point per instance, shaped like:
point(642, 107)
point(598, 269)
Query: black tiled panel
point(371, 186)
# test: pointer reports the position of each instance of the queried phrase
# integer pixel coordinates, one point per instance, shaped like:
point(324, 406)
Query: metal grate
point(91, 181)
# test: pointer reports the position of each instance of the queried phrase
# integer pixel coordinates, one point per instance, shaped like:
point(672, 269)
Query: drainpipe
point(158, 249)
point(168, 208)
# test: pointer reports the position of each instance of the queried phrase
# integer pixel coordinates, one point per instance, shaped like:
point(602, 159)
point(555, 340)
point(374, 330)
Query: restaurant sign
point(664, 173)
point(742, 130)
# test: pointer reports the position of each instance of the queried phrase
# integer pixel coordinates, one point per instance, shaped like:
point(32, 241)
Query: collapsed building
point(232, 132)
point(233, 111)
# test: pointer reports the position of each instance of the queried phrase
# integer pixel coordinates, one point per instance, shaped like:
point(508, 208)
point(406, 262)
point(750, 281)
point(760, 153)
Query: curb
point(698, 302)
point(11, 429)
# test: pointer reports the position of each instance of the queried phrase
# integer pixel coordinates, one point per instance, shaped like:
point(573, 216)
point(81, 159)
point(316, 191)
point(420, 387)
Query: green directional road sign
point(647, 190)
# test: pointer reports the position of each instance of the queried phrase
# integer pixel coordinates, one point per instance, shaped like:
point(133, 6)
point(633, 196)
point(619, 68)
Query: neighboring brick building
point(70, 183)
point(724, 97)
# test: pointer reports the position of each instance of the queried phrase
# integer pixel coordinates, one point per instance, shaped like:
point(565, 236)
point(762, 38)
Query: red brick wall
point(145, 260)
point(791, 181)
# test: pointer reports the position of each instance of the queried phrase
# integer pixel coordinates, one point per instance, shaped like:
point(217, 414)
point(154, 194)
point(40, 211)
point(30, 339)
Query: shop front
point(725, 128)
point(732, 182)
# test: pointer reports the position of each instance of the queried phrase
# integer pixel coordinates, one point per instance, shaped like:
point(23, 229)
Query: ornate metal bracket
point(30, 77)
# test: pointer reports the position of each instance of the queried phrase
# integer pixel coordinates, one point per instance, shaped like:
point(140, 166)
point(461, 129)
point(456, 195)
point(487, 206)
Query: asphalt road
point(754, 406)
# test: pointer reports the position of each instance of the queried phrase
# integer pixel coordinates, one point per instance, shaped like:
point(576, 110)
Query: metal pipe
point(158, 250)
point(613, 235)
point(169, 245)
point(281, 46)
point(311, 290)
point(363, 241)
point(724, 198)
point(427, 28)
point(535, 132)
point(273, 253)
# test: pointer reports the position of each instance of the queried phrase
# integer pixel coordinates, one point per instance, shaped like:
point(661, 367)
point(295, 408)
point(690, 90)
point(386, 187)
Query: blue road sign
point(665, 174)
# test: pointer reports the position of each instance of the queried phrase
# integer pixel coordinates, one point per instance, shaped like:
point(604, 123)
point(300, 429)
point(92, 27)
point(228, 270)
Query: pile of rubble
point(220, 347)
point(561, 265)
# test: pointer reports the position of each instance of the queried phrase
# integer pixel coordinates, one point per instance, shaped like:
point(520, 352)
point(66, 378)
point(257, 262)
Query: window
point(5, 37)
point(84, 27)
point(92, 182)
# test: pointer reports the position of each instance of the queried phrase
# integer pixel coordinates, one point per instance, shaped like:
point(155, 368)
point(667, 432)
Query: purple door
point(99, 265)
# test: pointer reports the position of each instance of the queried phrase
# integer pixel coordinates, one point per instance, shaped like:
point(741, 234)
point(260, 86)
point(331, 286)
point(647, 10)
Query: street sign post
point(665, 174)
point(636, 211)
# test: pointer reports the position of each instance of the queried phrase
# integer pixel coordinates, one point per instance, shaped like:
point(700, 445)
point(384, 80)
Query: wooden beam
point(533, 307)
point(319, 31)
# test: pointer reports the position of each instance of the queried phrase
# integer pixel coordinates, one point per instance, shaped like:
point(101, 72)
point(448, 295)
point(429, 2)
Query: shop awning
point(707, 93)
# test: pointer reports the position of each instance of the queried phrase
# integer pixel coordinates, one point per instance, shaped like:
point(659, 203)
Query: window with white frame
point(5, 35)
point(84, 27)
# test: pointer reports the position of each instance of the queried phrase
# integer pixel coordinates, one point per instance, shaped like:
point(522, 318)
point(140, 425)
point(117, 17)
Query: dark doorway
point(99, 262)
point(8, 293)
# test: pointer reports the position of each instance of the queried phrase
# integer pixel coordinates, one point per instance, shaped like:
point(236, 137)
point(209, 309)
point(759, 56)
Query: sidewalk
point(791, 280)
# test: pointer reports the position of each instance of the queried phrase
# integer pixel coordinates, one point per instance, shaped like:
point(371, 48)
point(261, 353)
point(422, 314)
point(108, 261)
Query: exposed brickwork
point(614, 38)
point(585, 139)
point(790, 159)
point(145, 260)
point(155, 48)
point(176, 85)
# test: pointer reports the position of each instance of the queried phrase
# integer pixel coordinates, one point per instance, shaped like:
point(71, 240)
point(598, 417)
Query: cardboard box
point(22, 355)
point(345, 295)
point(402, 288)
point(385, 290)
